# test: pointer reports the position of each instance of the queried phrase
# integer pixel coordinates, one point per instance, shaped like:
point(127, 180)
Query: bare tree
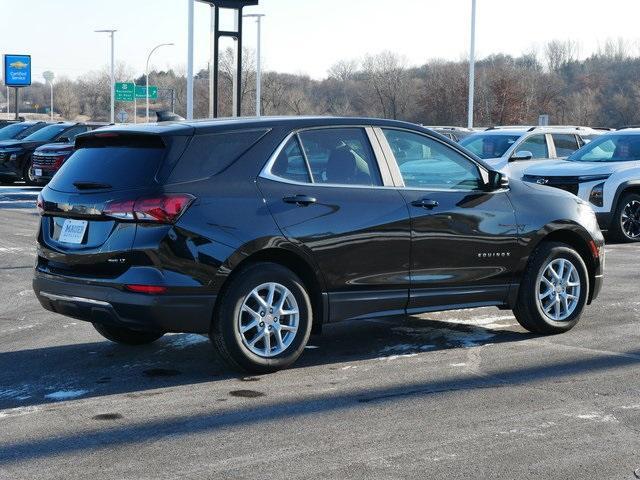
point(387, 78)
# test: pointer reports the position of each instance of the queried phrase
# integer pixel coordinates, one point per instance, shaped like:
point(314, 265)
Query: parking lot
point(460, 394)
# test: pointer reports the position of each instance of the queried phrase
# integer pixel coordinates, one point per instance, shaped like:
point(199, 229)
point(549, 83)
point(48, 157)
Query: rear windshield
point(119, 161)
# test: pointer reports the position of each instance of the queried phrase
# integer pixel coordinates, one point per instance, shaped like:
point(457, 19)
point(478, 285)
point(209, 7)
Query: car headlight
point(596, 197)
point(13, 156)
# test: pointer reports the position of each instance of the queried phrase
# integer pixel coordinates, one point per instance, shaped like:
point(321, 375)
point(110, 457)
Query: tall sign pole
point(236, 7)
point(17, 74)
point(472, 65)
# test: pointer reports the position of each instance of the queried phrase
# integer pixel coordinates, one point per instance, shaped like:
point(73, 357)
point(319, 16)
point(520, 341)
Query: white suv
point(512, 149)
point(606, 173)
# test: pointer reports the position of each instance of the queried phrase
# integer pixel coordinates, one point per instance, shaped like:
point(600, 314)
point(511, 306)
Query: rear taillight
point(58, 161)
point(160, 209)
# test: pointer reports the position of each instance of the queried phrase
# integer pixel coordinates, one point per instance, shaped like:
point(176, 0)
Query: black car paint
point(358, 261)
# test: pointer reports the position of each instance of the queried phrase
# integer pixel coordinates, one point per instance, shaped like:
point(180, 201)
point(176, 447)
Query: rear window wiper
point(91, 185)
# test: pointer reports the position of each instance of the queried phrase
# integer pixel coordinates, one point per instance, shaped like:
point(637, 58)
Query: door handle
point(425, 203)
point(300, 200)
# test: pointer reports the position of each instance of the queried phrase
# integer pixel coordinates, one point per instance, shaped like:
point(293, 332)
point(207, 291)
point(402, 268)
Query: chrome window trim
point(267, 174)
point(393, 164)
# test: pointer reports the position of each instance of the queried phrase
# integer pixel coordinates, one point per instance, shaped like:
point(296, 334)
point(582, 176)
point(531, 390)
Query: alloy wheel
point(558, 289)
point(268, 319)
point(630, 219)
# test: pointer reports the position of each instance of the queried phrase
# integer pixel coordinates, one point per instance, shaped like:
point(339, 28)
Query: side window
point(537, 145)
point(290, 163)
point(340, 156)
point(72, 133)
point(426, 163)
point(565, 144)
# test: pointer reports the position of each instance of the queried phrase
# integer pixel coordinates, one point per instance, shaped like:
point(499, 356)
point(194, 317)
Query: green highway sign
point(124, 92)
point(140, 92)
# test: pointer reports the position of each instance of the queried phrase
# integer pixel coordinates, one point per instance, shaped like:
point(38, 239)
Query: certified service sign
point(17, 70)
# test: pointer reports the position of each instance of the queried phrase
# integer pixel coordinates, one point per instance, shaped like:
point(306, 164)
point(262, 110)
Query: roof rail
point(626, 127)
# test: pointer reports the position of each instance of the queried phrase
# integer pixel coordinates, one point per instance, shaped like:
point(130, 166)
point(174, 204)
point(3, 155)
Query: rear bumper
point(113, 306)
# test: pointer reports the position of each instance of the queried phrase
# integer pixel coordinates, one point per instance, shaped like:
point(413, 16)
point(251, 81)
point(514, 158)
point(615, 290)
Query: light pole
point(472, 65)
point(113, 73)
point(258, 17)
point(48, 76)
point(190, 5)
point(147, 73)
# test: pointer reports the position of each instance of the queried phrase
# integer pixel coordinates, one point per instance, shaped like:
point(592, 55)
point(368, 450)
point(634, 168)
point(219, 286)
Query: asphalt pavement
point(460, 394)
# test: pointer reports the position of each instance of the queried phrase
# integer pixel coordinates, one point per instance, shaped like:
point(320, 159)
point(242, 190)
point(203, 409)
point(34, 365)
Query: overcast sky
point(304, 36)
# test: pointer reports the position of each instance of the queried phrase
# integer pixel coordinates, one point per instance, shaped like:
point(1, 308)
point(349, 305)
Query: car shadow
point(65, 372)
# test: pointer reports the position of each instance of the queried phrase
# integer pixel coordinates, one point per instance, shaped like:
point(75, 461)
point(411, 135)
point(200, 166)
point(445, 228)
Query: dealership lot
point(461, 394)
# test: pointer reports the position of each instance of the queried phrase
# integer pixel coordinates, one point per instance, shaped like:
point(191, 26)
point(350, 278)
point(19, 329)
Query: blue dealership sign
point(17, 70)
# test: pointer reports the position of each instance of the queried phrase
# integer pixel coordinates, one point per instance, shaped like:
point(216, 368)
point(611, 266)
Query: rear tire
point(629, 207)
point(126, 336)
point(541, 292)
point(246, 317)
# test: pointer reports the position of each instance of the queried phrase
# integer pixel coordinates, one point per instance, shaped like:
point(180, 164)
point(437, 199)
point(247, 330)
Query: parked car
point(15, 155)
point(258, 231)
point(512, 149)
point(606, 173)
point(452, 133)
point(47, 159)
point(20, 130)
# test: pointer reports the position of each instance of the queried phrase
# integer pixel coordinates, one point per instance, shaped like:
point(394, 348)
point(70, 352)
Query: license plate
point(38, 172)
point(73, 231)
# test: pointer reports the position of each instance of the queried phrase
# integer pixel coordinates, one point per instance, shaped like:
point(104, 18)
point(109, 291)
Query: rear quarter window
point(209, 154)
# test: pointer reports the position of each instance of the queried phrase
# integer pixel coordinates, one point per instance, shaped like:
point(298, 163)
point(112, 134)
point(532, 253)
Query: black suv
point(258, 231)
point(20, 130)
point(15, 155)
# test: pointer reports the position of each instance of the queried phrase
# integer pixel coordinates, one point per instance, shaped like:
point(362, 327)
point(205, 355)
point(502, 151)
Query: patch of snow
point(395, 357)
point(597, 417)
point(65, 394)
point(458, 364)
point(311, 347)
point(18, 411)
point(186, 340)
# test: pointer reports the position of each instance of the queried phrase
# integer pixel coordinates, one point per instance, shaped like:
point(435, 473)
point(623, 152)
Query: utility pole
point(48, 76)
point(190, 60)
point(113, 73)
point(147, 73)
point(258, 17)
point(472, 65)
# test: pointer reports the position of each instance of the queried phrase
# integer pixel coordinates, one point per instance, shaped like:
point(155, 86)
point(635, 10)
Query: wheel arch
point(578, 242)
point(289, 257)
point(631, 186)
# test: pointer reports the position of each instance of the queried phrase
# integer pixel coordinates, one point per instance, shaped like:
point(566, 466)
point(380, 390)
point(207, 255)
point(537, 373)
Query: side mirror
point(521, 155)
point(497, 181)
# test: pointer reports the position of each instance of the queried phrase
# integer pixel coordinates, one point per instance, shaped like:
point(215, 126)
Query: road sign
point(122, 116)
point(17, 70)
point(140, 92)
point(124, 92)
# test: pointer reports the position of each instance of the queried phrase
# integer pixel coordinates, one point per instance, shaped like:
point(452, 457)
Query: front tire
point(264, 319)
point(553, 291)
point(626, 219)
point(126, 336)
point(26, 174)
